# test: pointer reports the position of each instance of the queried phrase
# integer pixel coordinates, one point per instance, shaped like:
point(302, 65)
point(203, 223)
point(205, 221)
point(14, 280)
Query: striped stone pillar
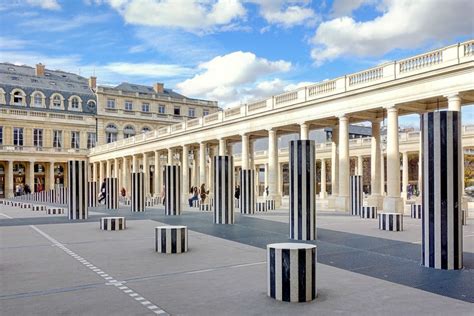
point(137, 193)
point(291, 272)
point(442, 190)
point(368, 212)
point(261, 206)
point(356, 194)
point(111, 193)
point(173, 190)
point(416, 211)
point(112, 223)
point(247, 191)
point(171, 239)
point(77, 190)
point(223, 190)
point(302, 190)
point(391, 221)
point(92, 194)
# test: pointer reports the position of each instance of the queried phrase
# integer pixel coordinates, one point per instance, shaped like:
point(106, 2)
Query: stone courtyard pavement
point(50, 266)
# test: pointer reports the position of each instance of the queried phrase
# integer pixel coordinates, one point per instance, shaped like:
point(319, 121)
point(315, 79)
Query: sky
point(232, 51)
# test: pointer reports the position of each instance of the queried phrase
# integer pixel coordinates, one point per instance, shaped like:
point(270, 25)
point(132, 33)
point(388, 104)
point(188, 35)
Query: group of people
point(22, 189)
point(198, 194)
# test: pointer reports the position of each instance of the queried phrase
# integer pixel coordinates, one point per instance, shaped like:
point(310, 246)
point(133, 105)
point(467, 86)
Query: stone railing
point(387, 72)
point(37, 149)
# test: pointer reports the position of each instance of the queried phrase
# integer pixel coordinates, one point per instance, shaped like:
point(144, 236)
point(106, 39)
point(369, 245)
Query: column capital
point(453, 96)
point(342, 116)
point(377, 120)
point(391, 108)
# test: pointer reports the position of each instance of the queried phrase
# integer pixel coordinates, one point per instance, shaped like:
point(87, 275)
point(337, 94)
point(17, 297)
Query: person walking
point(203, 193)
point(237, 192)
point(103, 192)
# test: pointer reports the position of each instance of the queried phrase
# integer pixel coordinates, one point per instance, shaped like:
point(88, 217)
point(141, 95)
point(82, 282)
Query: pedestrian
point(163, 194)
point(237, 192)
point(203, 193)
point(27, 189)
point(266, 191)
point(103, 192)
point(194, 195)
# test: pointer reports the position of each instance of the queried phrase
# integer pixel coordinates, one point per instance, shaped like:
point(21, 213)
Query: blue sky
point(232, 51)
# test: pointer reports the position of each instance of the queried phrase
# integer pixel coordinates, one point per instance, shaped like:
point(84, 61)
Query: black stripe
point(292, 193)
point(430, 175)
point(299, 184)
point(285, 275)
point(423, 185)
point(390, 222)
point(272, 272)
point(444, 189)
point(457, 229)
point(313, 273)
point(163, 240)
point(112, 224)
point(302, 270)
point(183, 239)
point(174, 232)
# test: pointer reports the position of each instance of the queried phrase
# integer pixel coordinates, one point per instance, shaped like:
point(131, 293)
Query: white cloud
point(287, 13)
point(191, 15)
point(345, 7)
point(11, 43)
point(403, 24)
point(50, 24)
point(45, 4)
point(228, 77)
point(150, 70)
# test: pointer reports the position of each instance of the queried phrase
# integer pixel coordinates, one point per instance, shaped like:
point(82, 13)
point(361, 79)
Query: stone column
point(405, 176)
point(108, 168)
point(134, 163)
point(50, 181)
point(185, 168)
point(157, 174)
point(360, 166)
point(125, 174)
point(376, 161)
point(393, 201)
point(245, 152)
point(202, 163)
point(172, 188)
point(229, 147)
point(137, 203)
point(304, 131)
point(77, 190)
point(170, 156)
point(342, 202)
point(454, 102)
point(101, 171)
point(265, 178)
point(334, 167)
point(94, 171)
point(30, 175)
point(116, 172)
point(382, 176)
point(9, 190)
point(323, 193)
point(223, 190)
point(195, 168)
point(272, 166)
point(146, 175)
point(222, 147)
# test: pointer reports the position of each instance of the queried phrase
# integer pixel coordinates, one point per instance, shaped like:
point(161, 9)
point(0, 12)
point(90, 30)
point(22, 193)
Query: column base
point(323, 195)
point(375, 200)
point(342, 203)
point(332, 202)
point(393, 204)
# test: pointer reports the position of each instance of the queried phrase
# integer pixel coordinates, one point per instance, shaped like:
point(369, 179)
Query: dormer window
point(57, 101)
point(18, 98)
point(75, 103)
point(38, 100)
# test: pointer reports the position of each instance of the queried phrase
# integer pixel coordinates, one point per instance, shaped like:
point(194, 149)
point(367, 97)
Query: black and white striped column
point(171, 239)
point(416, 211)
point(223, 190)
point(112, 223)
point(92, 194)
point(54, 210)
point(261, 206)
point(111, 193)
point(270, 205)
point(368, 212)
point(391, 221)
point(77, 190)
point(356, 194)
point(137, 203)
point(247, 191)
point(291, 272)
point(173, 190)
point(205, 207)
point(442, 182)
point(302, 190)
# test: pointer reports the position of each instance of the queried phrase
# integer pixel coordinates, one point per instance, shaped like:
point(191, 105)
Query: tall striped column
point(92, 201)
point(111, 192)
point(173, 190)
point(223, 190)
point(302, 190)
point(442, 182)
point(356, 194)
point(138, 192)
point(247, 191)
point(77, 189)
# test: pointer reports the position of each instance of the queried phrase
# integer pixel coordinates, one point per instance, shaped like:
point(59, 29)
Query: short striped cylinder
point(205, 207)
point(111, 193)
point(442, 159)
point(247, 191)
point(368, 212)
point(196, 203)
point(137, 194)
point(92, 192)
point(391, 221)
point(54, 210)
point(77, 190)
point(173, 190)
point(149, 203)
point(171, 239)
point(356, 194)
point(127, 202)
point(416, 211)
point(270, 205)
point(261, 206)
point(291, 272)
point(223, 190)
point(38, 207)
point(112, 223)
point(302, 190)
point(25, 205)
point(16, 204)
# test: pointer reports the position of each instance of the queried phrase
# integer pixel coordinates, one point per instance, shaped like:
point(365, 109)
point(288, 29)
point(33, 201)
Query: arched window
point(146, 129)
point(111, 133)
point(75, 103)
point(56, 102)
point(91, 104)
point(37, 100)
point(18, 98)
point(128, 131)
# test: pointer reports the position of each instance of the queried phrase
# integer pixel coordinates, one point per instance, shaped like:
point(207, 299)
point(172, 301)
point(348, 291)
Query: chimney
point(158, 87)
point(93, 82)
point(39, 70)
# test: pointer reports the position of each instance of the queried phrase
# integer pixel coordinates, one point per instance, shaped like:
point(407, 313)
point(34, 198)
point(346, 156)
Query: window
point(57, 101)
point(90, 140)
point(146, 129)
point(191, 112)
point(18, 98)
point(1, 135)
point(75, 140)
point(38, 137)
point(38, 100)
point(91, 104)
point(161, 109)
point(145, 107)
point(128, 106)
point(57, 139)
point(176, 110)
point(128, 131)
point(111, 103)
point(75, 103)
point(111, 133)
point(205, 112)
point(18, 136)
